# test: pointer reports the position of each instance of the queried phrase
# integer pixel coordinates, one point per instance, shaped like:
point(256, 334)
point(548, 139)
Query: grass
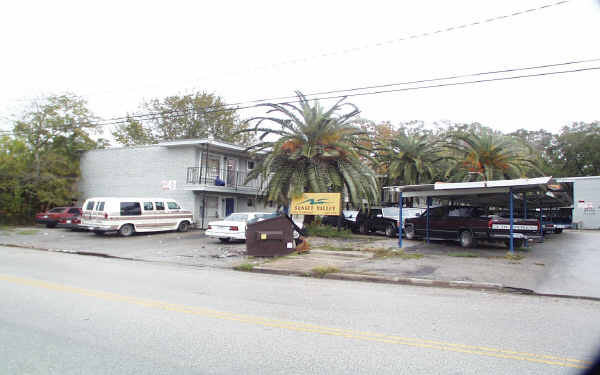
point(327, 231)
point(322, 271)
point(28, 231)
point(510, 256)
point(244, 267)
point(7, 227)
point(464, 254)
point(394, 253)
point(336, 248)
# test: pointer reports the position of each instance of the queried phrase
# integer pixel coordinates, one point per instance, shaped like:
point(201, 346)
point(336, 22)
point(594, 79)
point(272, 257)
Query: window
point(130, 208)
point(100, 206)
point(74, 210)
point(148, 206)
point(173, 206)
point(90, 205)
point(57, 209)
point(250, 165)
point(250, 202)
point(159, 206)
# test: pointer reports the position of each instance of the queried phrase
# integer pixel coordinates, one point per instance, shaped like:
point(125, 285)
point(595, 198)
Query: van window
point(100, 206)
point(173, 206)
point(159, 205)
point(130, 208)
point(90, 205)
point(148, 206)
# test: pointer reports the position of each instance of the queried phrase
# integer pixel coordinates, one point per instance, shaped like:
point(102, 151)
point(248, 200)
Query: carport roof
point(541, 192)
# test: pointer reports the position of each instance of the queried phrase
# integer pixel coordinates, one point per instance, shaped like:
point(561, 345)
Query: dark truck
point(467, 225)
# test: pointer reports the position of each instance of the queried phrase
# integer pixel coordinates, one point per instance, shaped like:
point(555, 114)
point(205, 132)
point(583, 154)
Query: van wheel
point(466, 239)
point(126, 230)
point(184, 226)
point(390, 230)
point(224, 240)
point(409, 231)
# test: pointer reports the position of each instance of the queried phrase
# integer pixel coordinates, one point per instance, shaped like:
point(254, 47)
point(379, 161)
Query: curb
point(422, 282)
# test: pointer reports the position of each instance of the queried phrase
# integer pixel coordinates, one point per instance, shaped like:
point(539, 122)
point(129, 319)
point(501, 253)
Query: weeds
point(322, 271)
point(244, 267)
point(394, 253)
point(327, 231)
point(28, 231)
point(7, 228)
point(464, 254)
point(336, 248)
point(510, 256)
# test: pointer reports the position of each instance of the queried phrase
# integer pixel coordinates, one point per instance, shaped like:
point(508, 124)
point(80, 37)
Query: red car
point(58, 216)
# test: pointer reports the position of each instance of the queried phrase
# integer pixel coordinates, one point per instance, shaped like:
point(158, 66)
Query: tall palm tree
point(491, 156)
point(412, 159)
point(318, 150)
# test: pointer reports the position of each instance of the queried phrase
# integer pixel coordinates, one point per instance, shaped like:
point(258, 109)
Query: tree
point(40, 164)
point(544, 145)
point(196, 115)
point(576, 150)
point(318, 150)
point(412, 159)
point(489, 155)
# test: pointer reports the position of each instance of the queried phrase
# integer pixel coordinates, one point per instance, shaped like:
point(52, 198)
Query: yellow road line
point(303, 327)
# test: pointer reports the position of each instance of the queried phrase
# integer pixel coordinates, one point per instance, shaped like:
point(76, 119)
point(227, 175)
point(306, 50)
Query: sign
point(169, 185)
point(317, 204)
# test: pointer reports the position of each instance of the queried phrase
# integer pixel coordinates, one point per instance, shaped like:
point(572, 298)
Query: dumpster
point(270, 237)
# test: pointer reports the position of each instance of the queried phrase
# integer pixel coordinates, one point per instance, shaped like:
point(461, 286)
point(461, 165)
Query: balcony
point(215, 179)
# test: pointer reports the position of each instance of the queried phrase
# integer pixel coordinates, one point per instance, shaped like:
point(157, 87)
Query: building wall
point(586, 202)
point(137, 172)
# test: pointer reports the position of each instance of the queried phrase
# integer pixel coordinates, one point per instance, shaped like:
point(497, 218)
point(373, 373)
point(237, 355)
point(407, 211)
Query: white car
point(233, 227)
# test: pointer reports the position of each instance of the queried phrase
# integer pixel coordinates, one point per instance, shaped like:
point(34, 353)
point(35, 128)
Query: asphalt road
point(70, 314)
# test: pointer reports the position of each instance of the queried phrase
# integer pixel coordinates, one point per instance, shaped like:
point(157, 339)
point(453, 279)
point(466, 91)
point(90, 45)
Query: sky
point(116, 54)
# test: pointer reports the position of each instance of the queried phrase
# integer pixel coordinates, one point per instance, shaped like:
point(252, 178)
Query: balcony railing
point(231, 179)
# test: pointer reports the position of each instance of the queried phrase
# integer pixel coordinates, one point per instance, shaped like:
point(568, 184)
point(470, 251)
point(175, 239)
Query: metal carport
point(540, 192)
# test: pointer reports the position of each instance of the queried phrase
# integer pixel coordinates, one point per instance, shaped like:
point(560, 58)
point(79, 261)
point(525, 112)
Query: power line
point(381, 44)
point(154, 115)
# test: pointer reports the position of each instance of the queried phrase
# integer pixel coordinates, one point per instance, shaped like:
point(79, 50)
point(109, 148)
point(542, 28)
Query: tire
point(224, 240)
point(466, 239)
point(390, 230)
point(126, 230)
point(184, 226)
point(50, 225)
point(409, 232)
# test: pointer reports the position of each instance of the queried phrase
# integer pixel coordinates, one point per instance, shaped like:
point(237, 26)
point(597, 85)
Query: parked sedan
point(233, 227)
point(57, 216)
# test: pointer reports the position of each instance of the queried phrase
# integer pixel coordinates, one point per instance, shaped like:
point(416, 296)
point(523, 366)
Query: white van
point(130, 215)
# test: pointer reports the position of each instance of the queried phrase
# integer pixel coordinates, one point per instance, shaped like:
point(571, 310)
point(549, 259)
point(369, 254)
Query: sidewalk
point(563, 264)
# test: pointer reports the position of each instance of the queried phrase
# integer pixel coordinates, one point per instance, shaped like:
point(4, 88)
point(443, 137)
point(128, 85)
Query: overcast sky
point(118, 53)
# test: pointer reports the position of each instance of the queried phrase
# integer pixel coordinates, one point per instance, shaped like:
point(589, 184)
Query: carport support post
point(400, 225)
point(525, 211)
point(512, 220)
point(542, 221)
point(427, 225)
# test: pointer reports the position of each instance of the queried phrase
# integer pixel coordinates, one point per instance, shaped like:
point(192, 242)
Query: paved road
point(68, 314)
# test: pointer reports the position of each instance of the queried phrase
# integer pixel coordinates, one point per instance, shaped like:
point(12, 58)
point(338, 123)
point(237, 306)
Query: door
point(229, 203)
point(232, 173)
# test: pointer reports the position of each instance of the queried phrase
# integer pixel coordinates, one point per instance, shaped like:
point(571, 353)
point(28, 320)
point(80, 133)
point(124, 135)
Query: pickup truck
point(381, 220)
point(467, 225)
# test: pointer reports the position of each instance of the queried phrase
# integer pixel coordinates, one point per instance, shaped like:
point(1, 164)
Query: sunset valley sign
point(317, 204)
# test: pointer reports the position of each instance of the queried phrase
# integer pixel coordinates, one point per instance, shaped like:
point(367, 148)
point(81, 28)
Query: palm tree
point(318, 150)
point(412, 159)
point(491, 156)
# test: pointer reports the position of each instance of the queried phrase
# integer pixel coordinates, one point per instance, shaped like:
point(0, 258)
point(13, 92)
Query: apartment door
point(229, 206)
point(232, 172)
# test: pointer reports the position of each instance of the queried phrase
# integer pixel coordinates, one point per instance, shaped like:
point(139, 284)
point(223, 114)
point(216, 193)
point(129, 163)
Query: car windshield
point(237, 217)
